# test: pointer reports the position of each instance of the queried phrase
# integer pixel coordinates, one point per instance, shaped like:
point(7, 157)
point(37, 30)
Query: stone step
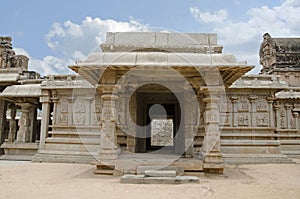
point(292, 154)
point(16, 157)
point(64, 140)
point(256, 159)
point(140, 170)
point(104, 168)
point(142, 179)
point(160, 173)
point(250, 142)
point(63, 158)
point(72, 147)
point(189, 164)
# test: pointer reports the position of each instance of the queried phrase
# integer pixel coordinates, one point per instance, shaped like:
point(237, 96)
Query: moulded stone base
point(108, 154)
point(213, 163)
point(19, 150)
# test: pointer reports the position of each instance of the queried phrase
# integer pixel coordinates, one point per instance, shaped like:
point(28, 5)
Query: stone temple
point(154, 99)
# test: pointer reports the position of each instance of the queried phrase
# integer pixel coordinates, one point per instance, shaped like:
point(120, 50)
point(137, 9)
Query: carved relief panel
point(262, 105)
point(96, 111)
point(80, 107)
point(262, 119)
point(62, 111)
point(225, 119)
point(121, 105)
point(262, 116)
point(283, 124)
point(243, 104)
point(225, 111)
point(162, 132)
point(243, 119)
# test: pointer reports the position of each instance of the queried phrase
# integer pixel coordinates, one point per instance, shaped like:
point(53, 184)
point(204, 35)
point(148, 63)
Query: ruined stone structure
point(155, 99)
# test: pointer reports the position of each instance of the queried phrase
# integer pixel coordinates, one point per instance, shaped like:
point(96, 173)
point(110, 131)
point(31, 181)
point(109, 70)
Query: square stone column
point(108, 140)
point(23, 135)
point(12, 124)
point(3, 108)
point(211, 149)
point(45, 100)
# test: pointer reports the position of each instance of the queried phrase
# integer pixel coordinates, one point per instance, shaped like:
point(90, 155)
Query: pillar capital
point(212, 90)
point(25, 105)
point(109, 97)
point(107, 88)
point(234, 99)
point(252, 98)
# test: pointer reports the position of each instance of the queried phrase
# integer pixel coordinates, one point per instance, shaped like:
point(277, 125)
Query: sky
point(57, 33)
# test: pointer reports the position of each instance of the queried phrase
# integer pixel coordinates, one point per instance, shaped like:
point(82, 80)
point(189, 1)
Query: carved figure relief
point(79, 116)
point(225, 119)
point(79, 119)
point(243, 119)
point(261, 106)
point(80, 106)
point(97, 107)
point(62, 119)
point(62, 111)
point(244, 104)
point(283, 119)
point(293, 123)
point(211, 116)
point(121, 105)
point(262, 120)
point(162, 132)
point(64, 106)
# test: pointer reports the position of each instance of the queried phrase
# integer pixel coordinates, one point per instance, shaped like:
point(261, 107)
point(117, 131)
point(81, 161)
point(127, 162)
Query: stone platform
point(153, 176)
point(138, 163)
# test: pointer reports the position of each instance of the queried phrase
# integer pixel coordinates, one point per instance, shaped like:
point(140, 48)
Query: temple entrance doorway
point(159, 120)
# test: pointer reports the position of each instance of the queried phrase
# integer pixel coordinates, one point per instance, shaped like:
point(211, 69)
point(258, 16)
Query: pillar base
point(213, 163)
point(108, 154)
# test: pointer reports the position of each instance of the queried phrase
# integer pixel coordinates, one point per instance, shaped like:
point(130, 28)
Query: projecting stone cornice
point(160, 59)
point(188, 64)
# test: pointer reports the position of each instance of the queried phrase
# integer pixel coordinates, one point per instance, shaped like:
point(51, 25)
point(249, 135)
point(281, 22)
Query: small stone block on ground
point(141, 179)
point(160, 173)
point(132, 179)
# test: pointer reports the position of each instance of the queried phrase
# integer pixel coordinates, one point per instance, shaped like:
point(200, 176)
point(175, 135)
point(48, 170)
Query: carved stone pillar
point(252, 100)
point(213, 160)
point(3, 107)
point(54, 99)
point(132, 118)
point(288, 108)
point(189, 129)
point(12, 124)
point(277, 115)
point(23, 135)
point(234, 101)
point(45, 100)
point(296, 116)
point(108, 141)
point(33, 122)
point(88, 113)
point(270, 101)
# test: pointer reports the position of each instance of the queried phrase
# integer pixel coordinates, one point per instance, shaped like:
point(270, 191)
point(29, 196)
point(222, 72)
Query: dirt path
point(49, 180)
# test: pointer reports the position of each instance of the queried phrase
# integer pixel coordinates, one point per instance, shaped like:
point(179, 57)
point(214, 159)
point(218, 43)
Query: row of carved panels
point(258, 120)
point(243, 104)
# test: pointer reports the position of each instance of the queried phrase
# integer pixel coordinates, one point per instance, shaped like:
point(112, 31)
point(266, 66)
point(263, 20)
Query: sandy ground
point(42, 180)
